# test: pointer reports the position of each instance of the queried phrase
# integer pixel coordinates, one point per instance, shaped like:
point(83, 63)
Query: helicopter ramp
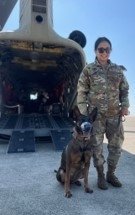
point(23, 130)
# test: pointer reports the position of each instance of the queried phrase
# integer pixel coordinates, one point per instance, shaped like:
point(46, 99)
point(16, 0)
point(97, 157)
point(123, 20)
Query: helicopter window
point(39, 2)
point(39, 9)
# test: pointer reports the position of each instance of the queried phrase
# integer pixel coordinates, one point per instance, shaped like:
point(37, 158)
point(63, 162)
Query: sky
point(113, 19)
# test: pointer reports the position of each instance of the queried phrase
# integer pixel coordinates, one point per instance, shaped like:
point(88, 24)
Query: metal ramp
point(61, 138)
point(24, 129)
point(22, 141)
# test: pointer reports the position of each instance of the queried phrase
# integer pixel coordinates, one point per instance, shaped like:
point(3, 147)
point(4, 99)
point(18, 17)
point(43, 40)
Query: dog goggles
point(86, 127)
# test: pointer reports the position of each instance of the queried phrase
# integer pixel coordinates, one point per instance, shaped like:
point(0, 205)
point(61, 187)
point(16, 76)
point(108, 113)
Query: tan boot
point(101, 178)
point(111, 178)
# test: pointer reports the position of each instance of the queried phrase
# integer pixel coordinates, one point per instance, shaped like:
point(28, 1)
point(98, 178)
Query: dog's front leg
point(86, 172)
point(68, 193)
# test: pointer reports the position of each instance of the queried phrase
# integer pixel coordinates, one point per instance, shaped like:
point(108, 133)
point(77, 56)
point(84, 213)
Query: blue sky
point(95, 18)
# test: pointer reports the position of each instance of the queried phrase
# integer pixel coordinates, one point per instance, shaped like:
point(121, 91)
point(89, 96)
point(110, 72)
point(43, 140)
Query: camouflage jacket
point(102, 87)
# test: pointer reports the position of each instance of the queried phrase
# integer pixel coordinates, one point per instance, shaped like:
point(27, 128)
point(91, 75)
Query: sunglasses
point(102, 50)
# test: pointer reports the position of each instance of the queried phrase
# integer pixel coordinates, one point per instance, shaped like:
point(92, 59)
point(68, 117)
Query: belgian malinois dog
point(75, 158)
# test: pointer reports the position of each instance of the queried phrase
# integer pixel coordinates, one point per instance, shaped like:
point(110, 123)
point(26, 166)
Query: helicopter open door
point(39, 71)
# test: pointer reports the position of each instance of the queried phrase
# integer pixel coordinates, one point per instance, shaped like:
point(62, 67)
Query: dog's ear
point(93, 114)
point(76, 113)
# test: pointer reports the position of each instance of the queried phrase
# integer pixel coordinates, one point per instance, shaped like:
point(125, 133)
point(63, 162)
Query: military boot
point(111, 178)
point(102, 184)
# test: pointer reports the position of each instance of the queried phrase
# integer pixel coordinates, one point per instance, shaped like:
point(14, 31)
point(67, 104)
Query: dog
point(75, 158)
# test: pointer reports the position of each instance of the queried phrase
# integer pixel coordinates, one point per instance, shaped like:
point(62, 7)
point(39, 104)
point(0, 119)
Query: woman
point(102, 84)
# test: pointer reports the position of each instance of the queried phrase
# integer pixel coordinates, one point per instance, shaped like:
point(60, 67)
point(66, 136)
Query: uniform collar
point(109, 63)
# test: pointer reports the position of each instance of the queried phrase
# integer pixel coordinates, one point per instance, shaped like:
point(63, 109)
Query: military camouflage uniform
point(105, 88)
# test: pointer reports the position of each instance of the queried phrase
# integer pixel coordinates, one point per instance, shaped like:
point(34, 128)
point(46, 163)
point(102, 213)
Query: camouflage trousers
point(112, 127)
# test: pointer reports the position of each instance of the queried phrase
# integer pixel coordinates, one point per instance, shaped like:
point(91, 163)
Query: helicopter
point(36, 61)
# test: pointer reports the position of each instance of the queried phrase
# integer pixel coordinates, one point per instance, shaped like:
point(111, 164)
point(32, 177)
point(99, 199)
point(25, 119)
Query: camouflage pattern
point(107, 89)
point(113, 128)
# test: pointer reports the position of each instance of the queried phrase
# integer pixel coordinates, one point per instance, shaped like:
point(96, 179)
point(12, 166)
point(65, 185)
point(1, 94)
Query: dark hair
point(100, 40)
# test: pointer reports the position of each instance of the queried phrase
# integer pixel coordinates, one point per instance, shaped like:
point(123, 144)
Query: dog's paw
point(88, 190)
point(68, 194)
